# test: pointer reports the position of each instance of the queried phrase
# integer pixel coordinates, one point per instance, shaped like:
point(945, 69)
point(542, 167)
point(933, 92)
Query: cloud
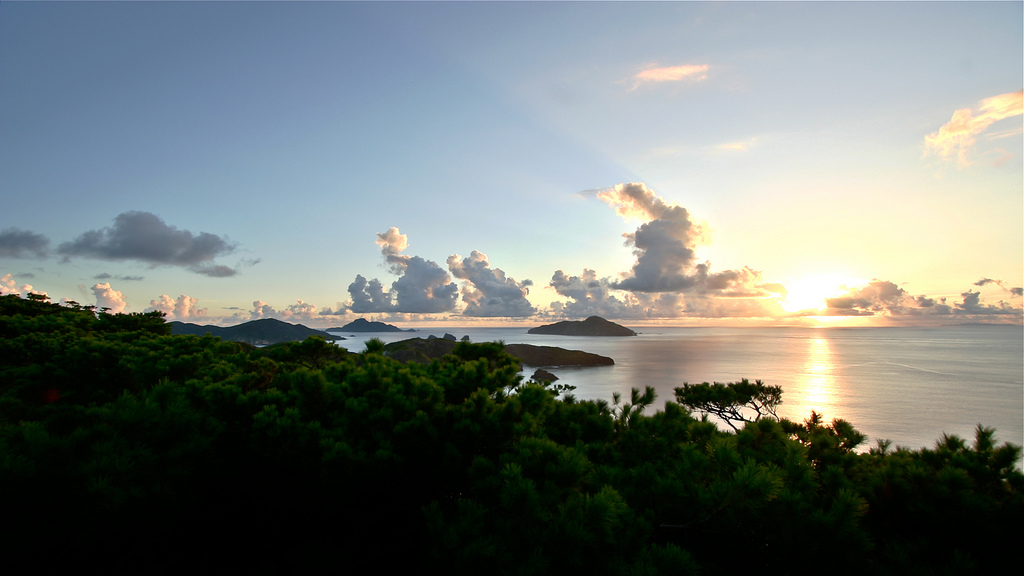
point(16, 243)
point(261, 309)
point(301, 311)
point(391, 243)
point(590, 296)
point(885, 298)
point(666, 280)
point(214, 270)
point(341, 310)
point(737, 146)
point(8, 286)
point(740, 146)
point(1014, 290)
point(692, 72)
point(144, 237)
point(106, 276)
point(107, 297)
point(957, 138)
point(368, 296)
point(665, 248)
point(972, 305)
point(423, 287)
point(489, 293)
point(875, 297)
point(182, 308)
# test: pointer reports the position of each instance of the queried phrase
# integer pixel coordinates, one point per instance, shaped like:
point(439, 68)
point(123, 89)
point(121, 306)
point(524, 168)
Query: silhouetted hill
point(364, 325)
point(425, 350)
point(593, 326)
point(257, 332)
point(553, 356)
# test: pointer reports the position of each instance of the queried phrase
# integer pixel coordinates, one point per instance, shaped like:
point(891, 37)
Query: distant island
point(593, 326)
point(364, 325)
point(257, 332)
point(424, 350)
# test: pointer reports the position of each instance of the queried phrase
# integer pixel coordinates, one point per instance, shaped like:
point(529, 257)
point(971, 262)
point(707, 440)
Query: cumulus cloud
point(972, 305)
point(665, 248)
point(301, 311)
point(16, 243)
point(144, 237)
point(666, 280)
point(261, 309)
point(423, 287)
point(182, 308)
point(591, 296)
point(107, 297)
point(489, 292)
point(368, 296)
point(690, 72)
point(875, 297)
point(957, 138)
point(9, 286)
point(391, 244)
point(885, 298)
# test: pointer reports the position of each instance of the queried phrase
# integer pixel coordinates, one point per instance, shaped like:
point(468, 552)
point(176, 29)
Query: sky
point(460, 162)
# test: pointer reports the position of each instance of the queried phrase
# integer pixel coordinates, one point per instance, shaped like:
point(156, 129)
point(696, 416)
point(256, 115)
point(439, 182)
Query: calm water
point(908, 385)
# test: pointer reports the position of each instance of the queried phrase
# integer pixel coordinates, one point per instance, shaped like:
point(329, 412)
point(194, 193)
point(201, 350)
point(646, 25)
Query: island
point(593, 326)
point(364, 325)
point(424, 350)
point(262, 332)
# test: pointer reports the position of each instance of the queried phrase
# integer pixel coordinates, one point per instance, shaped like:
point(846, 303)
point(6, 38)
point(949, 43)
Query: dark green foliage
point(124, 447)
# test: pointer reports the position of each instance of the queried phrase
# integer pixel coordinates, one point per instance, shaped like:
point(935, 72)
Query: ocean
point(907, 385)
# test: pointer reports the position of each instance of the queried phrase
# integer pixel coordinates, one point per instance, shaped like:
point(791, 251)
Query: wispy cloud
point(957, 138)
point(108, 276)
point(740, 146)
point(689, 72)
point(737, 146)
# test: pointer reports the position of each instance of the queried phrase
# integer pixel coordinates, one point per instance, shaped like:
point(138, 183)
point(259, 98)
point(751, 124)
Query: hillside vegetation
point(131, 449)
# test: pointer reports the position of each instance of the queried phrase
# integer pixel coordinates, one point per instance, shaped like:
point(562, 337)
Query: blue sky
point(698, 162)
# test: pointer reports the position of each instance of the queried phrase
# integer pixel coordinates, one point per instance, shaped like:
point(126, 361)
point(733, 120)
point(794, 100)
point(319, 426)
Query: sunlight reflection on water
point(905, 384)
point(816, 387)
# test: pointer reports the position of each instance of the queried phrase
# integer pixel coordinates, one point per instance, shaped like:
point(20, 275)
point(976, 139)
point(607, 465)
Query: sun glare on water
point(808, 293)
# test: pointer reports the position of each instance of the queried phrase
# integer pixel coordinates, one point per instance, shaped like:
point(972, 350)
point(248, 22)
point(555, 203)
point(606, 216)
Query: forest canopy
point(127, 447)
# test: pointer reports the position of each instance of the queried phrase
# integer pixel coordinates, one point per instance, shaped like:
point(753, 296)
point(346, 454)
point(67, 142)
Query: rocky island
point(424, 350)
point(593, 326)
point(364, 325)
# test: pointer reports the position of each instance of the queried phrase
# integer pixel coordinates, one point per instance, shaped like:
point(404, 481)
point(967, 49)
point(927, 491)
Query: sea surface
point(907, 385)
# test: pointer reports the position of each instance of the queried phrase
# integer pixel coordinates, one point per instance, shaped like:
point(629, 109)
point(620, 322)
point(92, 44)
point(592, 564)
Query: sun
point(808, 293)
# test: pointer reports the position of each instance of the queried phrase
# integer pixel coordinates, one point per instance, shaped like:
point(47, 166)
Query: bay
point(907, 385)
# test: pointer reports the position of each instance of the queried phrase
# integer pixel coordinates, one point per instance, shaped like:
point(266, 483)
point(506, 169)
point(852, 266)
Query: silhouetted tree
point(727, 401)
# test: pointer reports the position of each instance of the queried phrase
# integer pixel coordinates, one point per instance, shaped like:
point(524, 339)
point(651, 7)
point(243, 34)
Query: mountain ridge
point(261, 332)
